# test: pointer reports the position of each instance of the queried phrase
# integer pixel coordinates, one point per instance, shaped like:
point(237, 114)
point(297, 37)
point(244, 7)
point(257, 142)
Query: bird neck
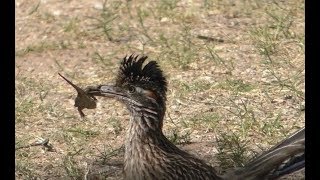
point(144, 128)
point(148, 153)
point(141, 144)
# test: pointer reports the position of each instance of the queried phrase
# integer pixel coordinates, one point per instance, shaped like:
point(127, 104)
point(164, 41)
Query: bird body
point(150, 155)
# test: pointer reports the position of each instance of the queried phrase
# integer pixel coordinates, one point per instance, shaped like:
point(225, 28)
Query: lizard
point(83, 100)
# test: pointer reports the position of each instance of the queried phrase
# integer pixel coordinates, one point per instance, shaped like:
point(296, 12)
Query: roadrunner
point(150, 155)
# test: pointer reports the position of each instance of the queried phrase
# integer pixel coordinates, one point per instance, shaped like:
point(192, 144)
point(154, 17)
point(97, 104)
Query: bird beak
point(104, 91)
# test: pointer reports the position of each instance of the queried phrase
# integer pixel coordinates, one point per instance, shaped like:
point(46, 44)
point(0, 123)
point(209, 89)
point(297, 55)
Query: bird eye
point(131, 89)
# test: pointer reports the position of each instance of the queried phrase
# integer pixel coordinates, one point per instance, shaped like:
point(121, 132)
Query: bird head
point(142, 88)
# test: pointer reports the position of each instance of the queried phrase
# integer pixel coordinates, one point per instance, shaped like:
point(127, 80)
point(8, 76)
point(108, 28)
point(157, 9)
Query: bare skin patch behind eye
point(150, 94)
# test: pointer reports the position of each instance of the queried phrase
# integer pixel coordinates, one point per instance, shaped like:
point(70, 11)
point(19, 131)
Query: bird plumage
point(150, 155)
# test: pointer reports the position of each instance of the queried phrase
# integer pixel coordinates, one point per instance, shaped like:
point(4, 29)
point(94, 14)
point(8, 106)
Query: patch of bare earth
point(235, 73)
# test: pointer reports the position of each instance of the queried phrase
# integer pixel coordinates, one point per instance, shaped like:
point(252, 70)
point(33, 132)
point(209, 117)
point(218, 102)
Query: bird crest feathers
point(149, 76)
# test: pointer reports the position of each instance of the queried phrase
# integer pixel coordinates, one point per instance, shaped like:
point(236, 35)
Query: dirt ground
point(235, 71)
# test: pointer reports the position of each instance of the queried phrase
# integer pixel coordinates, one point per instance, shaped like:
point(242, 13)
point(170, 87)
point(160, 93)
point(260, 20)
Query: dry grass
point(235, 72)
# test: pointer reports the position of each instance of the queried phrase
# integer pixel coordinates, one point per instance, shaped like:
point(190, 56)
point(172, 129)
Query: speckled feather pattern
point(150, 155)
